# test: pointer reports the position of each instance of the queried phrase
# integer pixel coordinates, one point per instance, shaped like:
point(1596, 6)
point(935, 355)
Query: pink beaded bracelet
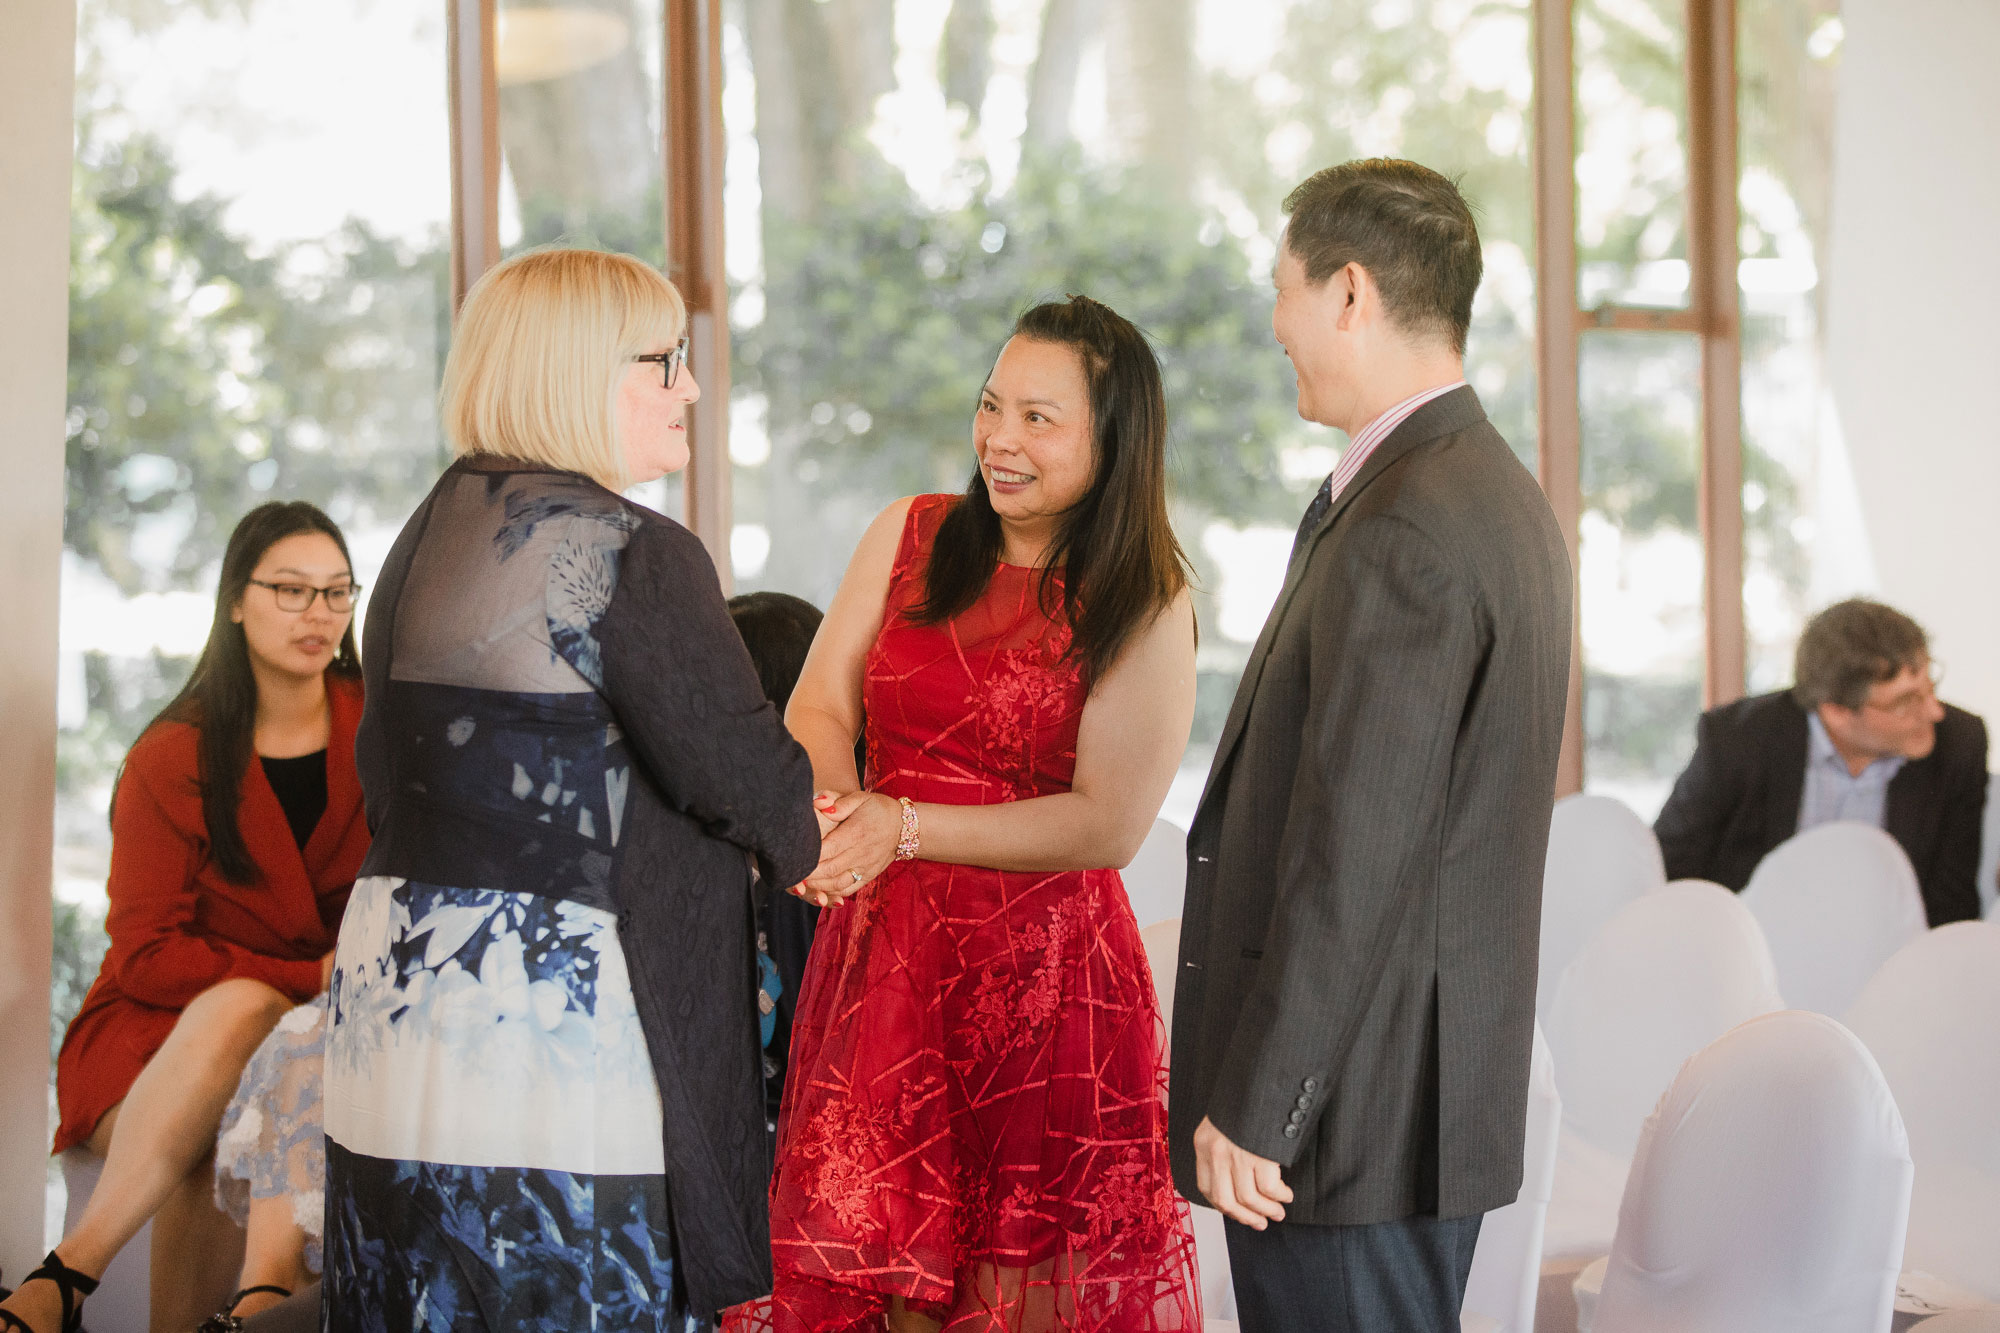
point(906, 846)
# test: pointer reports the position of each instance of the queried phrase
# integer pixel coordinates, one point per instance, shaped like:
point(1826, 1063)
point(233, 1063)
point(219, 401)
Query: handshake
point(860, 833)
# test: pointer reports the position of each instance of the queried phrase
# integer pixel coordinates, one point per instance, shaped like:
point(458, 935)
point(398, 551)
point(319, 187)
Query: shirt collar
point(1820, 749)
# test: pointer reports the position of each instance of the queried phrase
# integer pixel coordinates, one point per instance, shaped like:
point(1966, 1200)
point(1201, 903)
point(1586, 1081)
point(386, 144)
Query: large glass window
point(258, 308)
point(581, 101)
point(1639, 543)
point(1804, 542)
point(906, 176)
point(1639, 562)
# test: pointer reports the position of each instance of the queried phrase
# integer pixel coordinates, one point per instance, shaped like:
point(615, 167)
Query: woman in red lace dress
point(974, 1130)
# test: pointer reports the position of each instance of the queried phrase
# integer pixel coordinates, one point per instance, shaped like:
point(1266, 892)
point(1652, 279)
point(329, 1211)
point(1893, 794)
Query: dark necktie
point(1321, 502)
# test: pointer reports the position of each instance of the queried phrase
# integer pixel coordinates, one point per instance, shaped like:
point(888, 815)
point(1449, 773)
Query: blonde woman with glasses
point(544, 1104)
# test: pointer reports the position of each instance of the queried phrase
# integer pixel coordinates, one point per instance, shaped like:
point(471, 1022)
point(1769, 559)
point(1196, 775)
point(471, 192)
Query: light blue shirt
point(1833, 793)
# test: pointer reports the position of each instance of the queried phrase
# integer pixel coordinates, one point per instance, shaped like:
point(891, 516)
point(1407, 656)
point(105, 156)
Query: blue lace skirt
point(494, 1155)
point(272, 1143)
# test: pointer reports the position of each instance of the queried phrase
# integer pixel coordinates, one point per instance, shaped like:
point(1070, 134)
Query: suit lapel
point(1441, 416)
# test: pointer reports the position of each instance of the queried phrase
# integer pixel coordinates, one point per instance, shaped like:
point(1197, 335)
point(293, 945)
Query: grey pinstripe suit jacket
point(1356, 985)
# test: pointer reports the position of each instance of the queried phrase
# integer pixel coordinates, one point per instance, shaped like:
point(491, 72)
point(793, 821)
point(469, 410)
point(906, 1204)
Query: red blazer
point(178, 927)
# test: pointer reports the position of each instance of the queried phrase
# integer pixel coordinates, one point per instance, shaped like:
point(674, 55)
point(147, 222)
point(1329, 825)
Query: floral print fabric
point(975, 1114)
point(494, 1136)
point(495, 1130)
point(271, 1142)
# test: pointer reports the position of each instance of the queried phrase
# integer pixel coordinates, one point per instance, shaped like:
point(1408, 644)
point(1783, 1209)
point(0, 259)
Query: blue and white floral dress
point(558, 804)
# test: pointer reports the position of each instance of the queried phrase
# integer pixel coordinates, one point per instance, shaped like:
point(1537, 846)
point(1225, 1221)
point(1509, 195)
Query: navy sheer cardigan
point(558, 704)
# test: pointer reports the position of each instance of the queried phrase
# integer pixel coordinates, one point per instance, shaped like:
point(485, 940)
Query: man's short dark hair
point(1851, 647)
point(1404, 223)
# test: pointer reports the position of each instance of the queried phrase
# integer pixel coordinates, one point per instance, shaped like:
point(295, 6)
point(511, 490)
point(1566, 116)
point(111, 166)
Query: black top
point(1739, 798)
point(301, 787)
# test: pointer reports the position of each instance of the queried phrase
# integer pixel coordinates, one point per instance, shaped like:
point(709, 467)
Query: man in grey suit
point(1356, 992)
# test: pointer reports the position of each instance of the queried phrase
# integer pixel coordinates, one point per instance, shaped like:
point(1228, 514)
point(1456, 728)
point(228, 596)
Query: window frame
point(693, 148)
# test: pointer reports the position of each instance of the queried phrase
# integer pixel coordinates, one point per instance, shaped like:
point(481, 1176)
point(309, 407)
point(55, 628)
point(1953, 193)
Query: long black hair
point(1115, 550)
point(220, 697)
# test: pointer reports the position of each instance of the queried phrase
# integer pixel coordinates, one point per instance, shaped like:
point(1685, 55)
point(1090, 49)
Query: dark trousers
point(1406, 1276)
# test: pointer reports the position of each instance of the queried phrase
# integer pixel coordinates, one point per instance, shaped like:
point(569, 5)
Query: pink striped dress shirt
point(1377, 431)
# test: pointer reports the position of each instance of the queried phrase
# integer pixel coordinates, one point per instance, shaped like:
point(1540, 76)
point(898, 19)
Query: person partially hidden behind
point(778, 630)
point(1861, 736)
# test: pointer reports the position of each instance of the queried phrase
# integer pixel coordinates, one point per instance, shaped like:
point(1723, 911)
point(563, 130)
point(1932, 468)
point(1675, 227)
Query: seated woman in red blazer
point(236, 829)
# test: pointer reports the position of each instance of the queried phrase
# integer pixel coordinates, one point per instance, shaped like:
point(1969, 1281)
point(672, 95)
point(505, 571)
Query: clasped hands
point(858, 835)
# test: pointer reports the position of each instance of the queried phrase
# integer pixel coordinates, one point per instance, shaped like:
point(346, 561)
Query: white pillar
point(37, 91)
point(1912, 332)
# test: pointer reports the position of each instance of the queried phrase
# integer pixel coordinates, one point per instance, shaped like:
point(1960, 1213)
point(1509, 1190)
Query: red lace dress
point(975, 1117)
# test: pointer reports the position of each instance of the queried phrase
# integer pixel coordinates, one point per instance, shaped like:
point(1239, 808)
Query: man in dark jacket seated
point(1861, 736)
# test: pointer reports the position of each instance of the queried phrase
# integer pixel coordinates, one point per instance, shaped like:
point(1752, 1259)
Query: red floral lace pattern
point(975, 1120)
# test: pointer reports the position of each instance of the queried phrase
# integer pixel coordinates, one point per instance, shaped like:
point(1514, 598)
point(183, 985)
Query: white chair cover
point(1211, 1256)
point(1162, 940)
point(1669, 974)
point(1507, 1261)
point(1601, 857)
point(1931, 1016)
point(1834, 904)
point(1156, 881)
point(1770, 1191)
point(123, 1301)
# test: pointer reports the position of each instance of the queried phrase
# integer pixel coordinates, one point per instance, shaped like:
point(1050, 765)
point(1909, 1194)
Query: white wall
point(1914, 316)
point(37, 81)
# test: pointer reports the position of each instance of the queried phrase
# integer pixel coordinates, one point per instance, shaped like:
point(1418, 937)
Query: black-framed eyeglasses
point(670, 362)
point(1913, 701)
point(299, 596)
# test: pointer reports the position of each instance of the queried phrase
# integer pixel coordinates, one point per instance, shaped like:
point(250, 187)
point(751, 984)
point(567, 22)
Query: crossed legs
point(157, 1147)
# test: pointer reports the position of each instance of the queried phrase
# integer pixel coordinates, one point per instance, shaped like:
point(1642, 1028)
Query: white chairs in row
point(1770, 1191)
point(1931, 1017)
point(1835, 903)
point(1666, 976)
point(1601, 857)
point(1929, 1026)
point(1500, 1293)
point(1162, 940)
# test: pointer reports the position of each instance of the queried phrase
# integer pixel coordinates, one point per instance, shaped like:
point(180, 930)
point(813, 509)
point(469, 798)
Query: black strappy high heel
point(73, 1285)
point(227, 1320)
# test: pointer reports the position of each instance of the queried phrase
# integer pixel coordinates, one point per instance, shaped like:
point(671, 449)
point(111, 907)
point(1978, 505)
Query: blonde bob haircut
point(542, 343)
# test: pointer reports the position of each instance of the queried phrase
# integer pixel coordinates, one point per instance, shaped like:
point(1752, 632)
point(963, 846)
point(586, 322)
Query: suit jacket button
point(1305, 1100)
point(1310, 1085)
point(1291, 1131)
point(1298, 1117)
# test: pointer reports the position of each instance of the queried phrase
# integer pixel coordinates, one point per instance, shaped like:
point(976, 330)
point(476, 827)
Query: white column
point(1913, 301)
point(37, 89)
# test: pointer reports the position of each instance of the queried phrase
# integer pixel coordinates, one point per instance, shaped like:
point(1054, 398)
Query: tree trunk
point(1067, 27)
point(1149, 65)
point(966, 60)
point(819, 69)
point(585, 144)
